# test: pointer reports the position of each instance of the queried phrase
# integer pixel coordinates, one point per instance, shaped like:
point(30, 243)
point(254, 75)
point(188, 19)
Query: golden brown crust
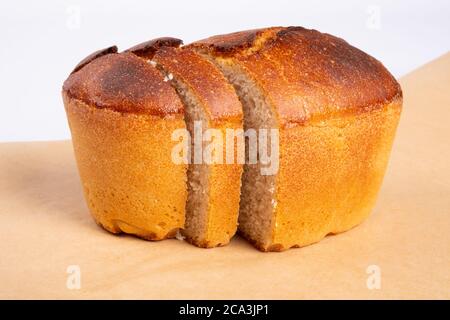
point(236, 42)
point(149, 48)
point(123, 83)
point(93, 56)
point(224, 194)
point(124, 160)
point(330, 175)
point(305, 74)
point(204, 79)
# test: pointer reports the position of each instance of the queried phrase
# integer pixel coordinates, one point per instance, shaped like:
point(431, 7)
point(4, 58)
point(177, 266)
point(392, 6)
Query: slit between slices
point(196, 213)
point(257, 202)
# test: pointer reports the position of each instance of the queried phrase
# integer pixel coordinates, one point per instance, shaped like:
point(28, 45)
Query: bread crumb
point(179, 236)
point(153, 63)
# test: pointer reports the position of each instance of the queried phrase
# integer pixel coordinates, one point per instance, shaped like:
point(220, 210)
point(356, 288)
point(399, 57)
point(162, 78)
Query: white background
point(41, 41)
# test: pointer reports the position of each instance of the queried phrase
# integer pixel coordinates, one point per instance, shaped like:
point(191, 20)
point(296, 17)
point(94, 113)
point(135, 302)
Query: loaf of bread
point(334, 110)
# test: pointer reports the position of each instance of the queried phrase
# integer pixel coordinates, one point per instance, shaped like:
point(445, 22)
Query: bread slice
point(122, 114)
point(211, 217)
point(336, 109)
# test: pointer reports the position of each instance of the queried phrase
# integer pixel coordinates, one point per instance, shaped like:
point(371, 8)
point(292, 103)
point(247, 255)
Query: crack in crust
point(93, 56)
point(149, 48)
point(242, 42)
point(125, 83)
point(306, 75)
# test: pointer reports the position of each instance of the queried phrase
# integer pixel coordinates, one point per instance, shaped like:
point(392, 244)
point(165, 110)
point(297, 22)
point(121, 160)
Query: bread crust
point(124, 160)
point(93, 56)
point(124, 83)
point(205, 80)
point(121, 114)
point(240, 42)
point(321, 75)
point(148, 49)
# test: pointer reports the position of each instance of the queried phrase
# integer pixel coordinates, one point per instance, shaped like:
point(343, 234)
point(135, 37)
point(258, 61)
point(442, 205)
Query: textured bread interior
point(257, 201)
point(196, 219)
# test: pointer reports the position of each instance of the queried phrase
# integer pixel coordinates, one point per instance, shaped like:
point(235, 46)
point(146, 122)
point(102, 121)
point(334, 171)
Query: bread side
point(330, 175)
point(122, 114)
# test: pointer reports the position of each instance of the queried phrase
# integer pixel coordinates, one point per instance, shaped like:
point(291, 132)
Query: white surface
point(41, 41)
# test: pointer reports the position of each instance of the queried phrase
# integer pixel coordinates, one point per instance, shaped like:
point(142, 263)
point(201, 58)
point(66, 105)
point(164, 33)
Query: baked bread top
point(125, 83)
point(306, 74)
point(129, 82)
point(204, 79)
point(148, 49)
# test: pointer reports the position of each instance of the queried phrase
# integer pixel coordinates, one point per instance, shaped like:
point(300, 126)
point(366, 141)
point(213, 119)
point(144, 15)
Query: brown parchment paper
point(45, 227)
